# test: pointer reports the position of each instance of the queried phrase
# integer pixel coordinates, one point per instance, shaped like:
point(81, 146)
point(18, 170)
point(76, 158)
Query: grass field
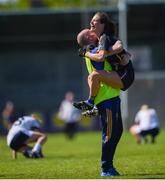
point(80, 158)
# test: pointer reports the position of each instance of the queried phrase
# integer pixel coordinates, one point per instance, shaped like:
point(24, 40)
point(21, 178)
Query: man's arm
point(102, 54)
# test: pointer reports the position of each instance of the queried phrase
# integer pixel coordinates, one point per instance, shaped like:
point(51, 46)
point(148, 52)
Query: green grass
point(80, 158)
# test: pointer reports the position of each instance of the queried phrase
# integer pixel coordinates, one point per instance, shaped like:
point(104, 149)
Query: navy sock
point(91, 99)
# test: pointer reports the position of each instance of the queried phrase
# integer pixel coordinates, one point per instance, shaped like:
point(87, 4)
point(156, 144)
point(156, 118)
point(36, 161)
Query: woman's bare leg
point(94, 79)
point(94, 84)
point(110, 78)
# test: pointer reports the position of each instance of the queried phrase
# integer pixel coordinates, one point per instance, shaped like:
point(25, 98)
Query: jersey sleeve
point(35, 125)
point(104, 43)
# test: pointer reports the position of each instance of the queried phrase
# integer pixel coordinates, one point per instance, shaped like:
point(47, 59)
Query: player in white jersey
point(24, 131)
point(146, 123)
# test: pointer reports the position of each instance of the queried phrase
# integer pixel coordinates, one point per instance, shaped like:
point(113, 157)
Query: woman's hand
point(118, 46)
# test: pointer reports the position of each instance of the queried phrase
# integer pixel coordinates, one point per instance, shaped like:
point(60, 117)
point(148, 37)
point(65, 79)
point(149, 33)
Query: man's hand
point(81, 52)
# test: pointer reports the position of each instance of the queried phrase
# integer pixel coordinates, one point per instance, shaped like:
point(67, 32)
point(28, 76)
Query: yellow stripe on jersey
point(109, 125)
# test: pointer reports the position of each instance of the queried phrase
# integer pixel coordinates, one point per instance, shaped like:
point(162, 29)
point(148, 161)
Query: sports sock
point(37, 147)
point(27, 152)
point(91, 99)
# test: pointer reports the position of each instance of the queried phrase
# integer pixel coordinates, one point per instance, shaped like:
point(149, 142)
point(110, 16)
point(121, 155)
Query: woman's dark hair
point(110, 27)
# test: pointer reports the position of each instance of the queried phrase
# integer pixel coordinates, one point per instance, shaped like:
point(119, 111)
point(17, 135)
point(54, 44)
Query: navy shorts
point(127, 75)
point(18, 141)
point(153, 132)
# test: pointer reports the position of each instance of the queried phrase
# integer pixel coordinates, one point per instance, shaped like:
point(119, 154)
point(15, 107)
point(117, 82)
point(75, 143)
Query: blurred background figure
point(36, 3)
point(24, 131)
point(8, 1)
point(8, 114)
point(70, 115)
point(146, 123)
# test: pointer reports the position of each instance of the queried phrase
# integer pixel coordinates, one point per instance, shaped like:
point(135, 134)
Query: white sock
point(37, 147)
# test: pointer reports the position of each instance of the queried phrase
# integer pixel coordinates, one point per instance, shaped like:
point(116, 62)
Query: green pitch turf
point(80, 159)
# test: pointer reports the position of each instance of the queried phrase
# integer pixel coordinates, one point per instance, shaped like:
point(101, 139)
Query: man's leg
point(112, 131)
point(70, 129)
point(143, 134)
point(154, 132)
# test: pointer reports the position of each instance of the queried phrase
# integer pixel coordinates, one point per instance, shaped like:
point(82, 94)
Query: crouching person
point(24, 131)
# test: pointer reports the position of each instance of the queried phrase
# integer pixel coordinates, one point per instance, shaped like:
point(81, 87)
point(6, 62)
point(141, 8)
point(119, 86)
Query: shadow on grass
point(71, 156)
point(2, 176)
point(145, 175)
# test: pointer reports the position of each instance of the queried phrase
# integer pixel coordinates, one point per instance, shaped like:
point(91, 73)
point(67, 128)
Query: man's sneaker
point(93, 112)
point(83, 105)
point(111, 172)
